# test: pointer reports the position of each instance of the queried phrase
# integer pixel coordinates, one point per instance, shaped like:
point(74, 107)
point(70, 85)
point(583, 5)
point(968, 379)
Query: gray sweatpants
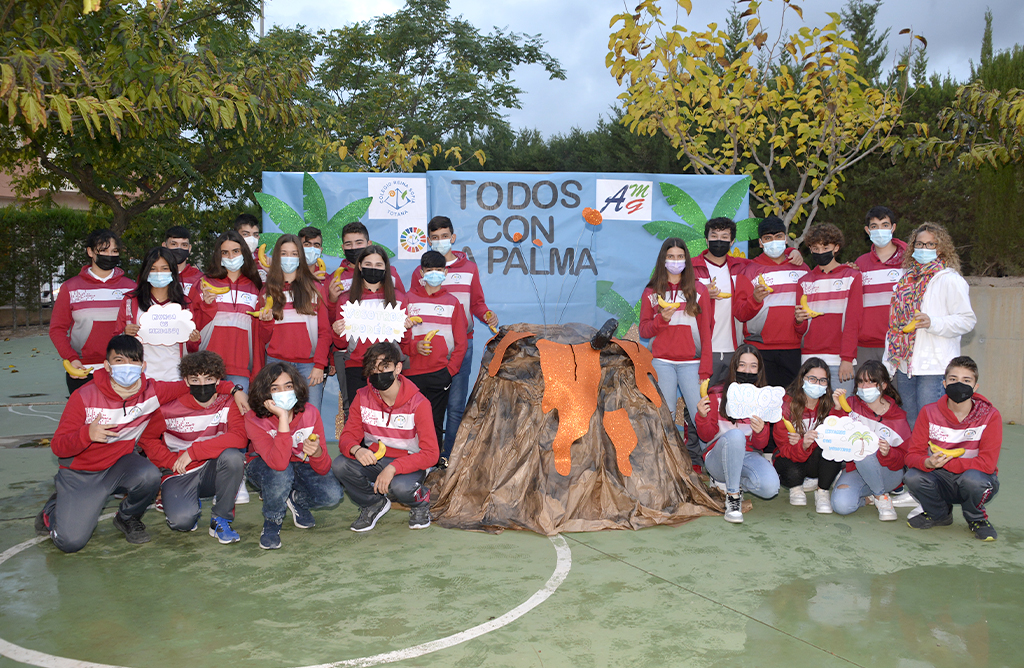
point(220, 477)
point(81, 496)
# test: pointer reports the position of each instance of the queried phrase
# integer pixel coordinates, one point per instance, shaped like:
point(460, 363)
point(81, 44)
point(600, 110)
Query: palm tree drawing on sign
point(689, 211)
point(862, 437)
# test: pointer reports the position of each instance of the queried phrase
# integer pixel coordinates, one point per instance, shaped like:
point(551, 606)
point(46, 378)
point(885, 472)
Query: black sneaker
point(983, 530)
point(270, 539)
point(925, 521)
point(419, 517)
point(302, 518)
point(369, 515)
point(442, 463)
point(43, 520)
point(133, 529)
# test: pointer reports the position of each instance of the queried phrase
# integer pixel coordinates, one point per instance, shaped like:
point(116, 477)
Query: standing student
point(875, 476)
point(296, 329)
point(85, 313)
point(717, 270)
point(807, 403)
point(881, 269)
point(680, 332)
point(834, 292)
point(288, 460)
point(433, 363)
point(158, 284)
point(178, 240)
point(248, 226)
point(197, 441)
point(932, 300)
point(313, 247)
point(223, 319)
point(733, 455)
point(463, 281)
point(354, 238)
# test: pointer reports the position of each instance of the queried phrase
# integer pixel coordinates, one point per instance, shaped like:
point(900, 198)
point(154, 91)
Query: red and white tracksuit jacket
point(795, 452)
point(299, 338)
point(85, 314)
point(278, 449)
point(724, 308)
point(837, 295)
point(203, 431)
point(189, 279)
point(895, 419)
point(683, 338)
point(463, 281)
point(980, 435)
point(226, 328)
point(879, 279)
point(771, 324)
point(161, 361)
point(355, 358)
point(713, 424)
point(443, 312)
point(349, 270)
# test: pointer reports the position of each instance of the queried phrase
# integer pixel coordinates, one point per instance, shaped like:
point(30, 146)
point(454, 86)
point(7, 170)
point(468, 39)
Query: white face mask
point(774, 249)
point(253, 243)
point(869, 394)
point(880, 238)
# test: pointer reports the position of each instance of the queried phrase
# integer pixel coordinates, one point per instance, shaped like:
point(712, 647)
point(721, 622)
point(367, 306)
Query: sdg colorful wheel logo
point(412, 241)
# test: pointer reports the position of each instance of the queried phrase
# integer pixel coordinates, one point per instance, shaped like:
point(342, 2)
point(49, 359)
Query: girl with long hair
point(158, 284)
point(676, 313)
point(807, 403)
point(733, 455)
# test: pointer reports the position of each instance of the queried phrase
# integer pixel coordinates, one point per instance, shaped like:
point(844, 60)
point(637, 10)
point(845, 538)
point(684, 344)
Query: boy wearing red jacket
point(388, 443)
point(433, 363)
point(85, 313)
point(961, 419)
point(178, 240)
point(354, 238)
point(95, 446)
point(197, 442)
point(881, 269)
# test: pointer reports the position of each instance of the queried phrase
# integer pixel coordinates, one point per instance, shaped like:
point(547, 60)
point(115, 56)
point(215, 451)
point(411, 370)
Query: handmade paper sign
point(373, 321)
point(165, 325)
point(880, 430)
point(843, 439)
point(744, 400)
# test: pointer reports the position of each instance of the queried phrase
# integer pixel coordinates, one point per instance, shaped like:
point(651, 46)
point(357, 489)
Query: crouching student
point(969, 425)
point(807, 403)
point(388, 443)
point(876, 401)
point(733, 454)
point(288, 461)
point(197, 442)
point(95, 445)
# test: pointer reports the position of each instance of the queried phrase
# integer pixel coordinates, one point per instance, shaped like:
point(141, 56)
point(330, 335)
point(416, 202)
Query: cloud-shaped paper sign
point(744, 400)
point(880, 430)
point(843, 439)
point(373, 321)
point(165, 325)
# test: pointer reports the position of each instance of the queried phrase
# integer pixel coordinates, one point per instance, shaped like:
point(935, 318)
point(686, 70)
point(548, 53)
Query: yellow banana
point(664, 304)
point(337, 273)
point(720, 295)
point(430, 335)
point(704, 388)
point(760, 279)
point(74, 371)
point(213, 289)
point(957, 452)
point(489, 314)
point(320, 266)
point(843, 403)
point(267, 308)
point(381, 449)
point(262, 256)
point(789, 426)
point(415, 319)
point(910, 326)
point(811, 313)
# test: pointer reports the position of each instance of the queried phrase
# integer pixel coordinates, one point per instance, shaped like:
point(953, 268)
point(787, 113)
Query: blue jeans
point(312, 490)
point(240, 380)
point(870, 478)
point(918, 392)
point(731, 463)
point(316, 392)
point(458, 393)
point(836, 384)
point(684, 379)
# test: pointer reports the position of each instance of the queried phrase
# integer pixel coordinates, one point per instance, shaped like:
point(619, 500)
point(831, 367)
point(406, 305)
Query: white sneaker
point(797, 496)
point(243, 494)
point(810, 484)
point(822, 502)
point(734, 508)
point(915, 512)
point(886, 512)
point(718, 485)
point(904, 499)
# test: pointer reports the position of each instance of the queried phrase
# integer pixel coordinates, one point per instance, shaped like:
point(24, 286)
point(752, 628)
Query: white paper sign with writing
point(165, 325)
point(373, 321)
point(744, 400)
point(843, 439)
point(879, 429)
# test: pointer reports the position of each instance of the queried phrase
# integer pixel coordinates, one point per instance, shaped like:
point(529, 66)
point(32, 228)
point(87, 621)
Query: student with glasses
point(929, 312)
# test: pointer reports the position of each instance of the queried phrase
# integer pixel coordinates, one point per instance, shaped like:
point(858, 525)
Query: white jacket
point(947, 302)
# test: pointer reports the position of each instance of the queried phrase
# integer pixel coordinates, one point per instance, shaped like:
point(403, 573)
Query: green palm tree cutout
point(616, 304)
point(314, 214)
point(861, 437)
point(686, 207)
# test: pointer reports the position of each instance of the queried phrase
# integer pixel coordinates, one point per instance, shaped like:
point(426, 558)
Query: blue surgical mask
point(312, 254)
point(442, 246)
point(813, 390)
point(925, 255)
point(125, 375)
point(232, 263)
point(774, 249)
point(434, 278)
point(284, 400)
point(289, 264)
point(869, 394)
point(159, 279)
point(880, 238)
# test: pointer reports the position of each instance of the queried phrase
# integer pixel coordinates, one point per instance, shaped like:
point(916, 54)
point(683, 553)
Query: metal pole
point(261, 18)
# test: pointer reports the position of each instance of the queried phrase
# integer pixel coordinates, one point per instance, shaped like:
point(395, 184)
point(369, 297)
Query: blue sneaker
point(301, 516)
point(270, 539)
point(220, 529)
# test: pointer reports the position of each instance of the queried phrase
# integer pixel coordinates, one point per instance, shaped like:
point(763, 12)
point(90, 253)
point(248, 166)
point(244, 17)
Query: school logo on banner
point(412, 242)
point(624, 200)
point(394, 198)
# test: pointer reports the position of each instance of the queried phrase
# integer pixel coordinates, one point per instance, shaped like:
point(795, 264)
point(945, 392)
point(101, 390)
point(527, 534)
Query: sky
point(576, 32)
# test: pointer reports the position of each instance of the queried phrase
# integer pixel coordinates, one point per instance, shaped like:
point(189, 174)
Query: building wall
point(72, 199)
point(997, 342)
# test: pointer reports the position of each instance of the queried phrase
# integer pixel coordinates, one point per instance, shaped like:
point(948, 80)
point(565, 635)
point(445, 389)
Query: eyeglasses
point(930, 245)
point(816, 381)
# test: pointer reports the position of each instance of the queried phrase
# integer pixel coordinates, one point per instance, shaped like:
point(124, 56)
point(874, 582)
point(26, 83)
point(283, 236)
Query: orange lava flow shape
point(572, 378)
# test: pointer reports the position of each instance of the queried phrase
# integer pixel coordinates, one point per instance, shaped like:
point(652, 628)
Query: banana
point(430, 335)
point(789, 426)
point(269, 306)
point(760, 279)
point(910, 326)
point(957, 452)
point(262, 256)
point(843, 403)
point(704, 388)
point(720, 295)
point(381, 449)
point(489, 314)
point(811, 313)
point(73, 371)
point(337, 273)
point(664, 304)
point(213, 289)
point(415, 319)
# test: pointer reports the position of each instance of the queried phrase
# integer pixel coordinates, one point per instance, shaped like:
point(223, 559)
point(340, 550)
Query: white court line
point(32, 414)
point(562, 566)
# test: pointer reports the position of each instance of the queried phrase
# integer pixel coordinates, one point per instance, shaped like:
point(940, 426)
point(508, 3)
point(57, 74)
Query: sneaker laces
point(733, 503)
point(134, 524)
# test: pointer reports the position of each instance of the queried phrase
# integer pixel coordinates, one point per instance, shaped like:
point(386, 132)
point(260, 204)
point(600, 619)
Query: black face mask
point(180, 254)
point(821, 259)
point(372, 276)
point(382, 381)
point(959, 392)
point(352, 255)
point(743, 377)
point(719, 248)
point(203, 393)
point(108, 262)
